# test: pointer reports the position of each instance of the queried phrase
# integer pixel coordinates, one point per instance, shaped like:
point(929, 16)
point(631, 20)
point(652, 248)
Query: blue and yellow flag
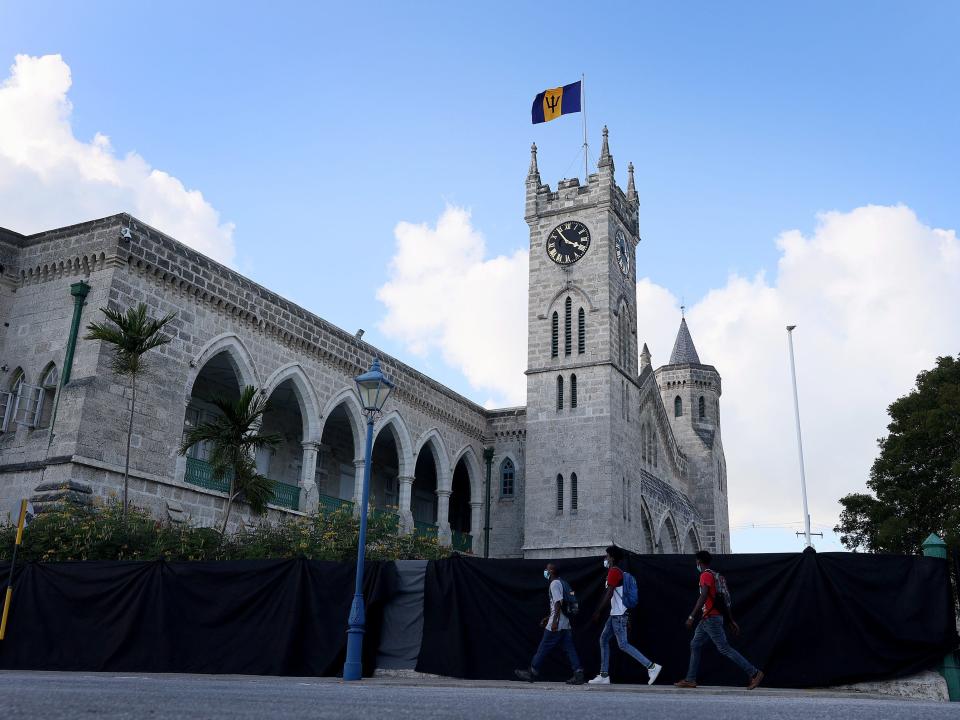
point(555, 102)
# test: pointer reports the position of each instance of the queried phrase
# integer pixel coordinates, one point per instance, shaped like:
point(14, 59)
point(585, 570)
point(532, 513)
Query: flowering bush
point(97, 533)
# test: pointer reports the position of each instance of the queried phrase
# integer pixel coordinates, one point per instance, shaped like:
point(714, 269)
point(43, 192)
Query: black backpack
point(570, 605)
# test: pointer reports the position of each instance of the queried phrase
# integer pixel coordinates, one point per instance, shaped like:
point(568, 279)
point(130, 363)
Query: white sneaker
point(600, 680)
point(654, 672)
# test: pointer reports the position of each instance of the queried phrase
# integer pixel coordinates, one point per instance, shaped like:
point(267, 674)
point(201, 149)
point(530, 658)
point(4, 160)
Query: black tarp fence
point(808, 619)
point(257, 617)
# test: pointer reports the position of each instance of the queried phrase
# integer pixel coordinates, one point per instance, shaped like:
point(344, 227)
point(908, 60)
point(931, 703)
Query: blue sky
point(315, 129)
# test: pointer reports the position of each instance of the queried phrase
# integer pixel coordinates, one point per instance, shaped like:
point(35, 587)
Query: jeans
point(549, 642)
point(617, 626)
point(712, 628)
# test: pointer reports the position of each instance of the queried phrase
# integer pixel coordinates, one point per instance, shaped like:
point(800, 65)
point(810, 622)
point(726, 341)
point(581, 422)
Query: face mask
point(546, 574)
point(606, 563)
point(699, 570)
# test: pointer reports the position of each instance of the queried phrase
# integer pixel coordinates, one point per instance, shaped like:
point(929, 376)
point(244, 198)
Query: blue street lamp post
point(374, 388)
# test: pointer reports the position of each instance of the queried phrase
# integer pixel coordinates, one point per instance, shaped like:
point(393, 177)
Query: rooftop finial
point(631, 187)
point(606, 160)
point(534, 172)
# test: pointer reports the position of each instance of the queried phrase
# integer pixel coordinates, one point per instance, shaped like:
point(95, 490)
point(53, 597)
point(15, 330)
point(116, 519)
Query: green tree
point(131, 336)
point(234, 439)
point(916, 478)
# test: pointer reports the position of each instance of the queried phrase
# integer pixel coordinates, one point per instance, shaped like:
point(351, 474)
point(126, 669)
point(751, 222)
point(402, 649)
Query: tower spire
point(606, 159)
point(631, 187)
point(644, 358)
point(534, 172)
point(684, 352)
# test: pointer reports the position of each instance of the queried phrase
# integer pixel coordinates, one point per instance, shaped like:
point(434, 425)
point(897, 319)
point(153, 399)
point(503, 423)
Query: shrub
point(97, 533)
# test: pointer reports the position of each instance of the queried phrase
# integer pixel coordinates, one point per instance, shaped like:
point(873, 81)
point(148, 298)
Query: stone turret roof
point(684, 352)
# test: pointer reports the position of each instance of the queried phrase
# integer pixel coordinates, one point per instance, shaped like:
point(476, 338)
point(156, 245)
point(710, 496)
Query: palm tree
point(234, 439)
point(132, 334)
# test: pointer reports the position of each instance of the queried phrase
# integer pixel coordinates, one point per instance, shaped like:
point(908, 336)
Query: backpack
point(721, 599)
point(630, 595)
point(570, 605)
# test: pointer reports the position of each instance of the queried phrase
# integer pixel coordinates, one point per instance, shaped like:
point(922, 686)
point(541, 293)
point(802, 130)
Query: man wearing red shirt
point(616, 625)
point(711, 626)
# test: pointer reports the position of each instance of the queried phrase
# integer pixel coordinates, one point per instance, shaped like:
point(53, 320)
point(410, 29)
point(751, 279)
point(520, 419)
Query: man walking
point(617, 624)
point(556, 632)
point(714, 614)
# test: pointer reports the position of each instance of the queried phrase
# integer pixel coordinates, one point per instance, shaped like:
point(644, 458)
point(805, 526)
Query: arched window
point(555, 341)
point(573, 391)
point(559, 392)
point(581, 332)
point(574, 501)
point(623, 340)
point(49, 386)
point(702, 408)
point(507, 475)
point(8, 401)
point(559, 494)
point(656, 448)
point(677, 407)
point(567, 312)
point(643, 442)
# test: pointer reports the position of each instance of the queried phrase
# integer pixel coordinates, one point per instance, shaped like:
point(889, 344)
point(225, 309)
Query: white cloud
point(49, 178)
point(445, 294)
point(873, 292)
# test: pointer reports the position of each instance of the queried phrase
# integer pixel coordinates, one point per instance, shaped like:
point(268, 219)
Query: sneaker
point(685, 684)
point(577, 678)
point(526, 675)
point(600, 680)
point(653, 672)
point(755, 680)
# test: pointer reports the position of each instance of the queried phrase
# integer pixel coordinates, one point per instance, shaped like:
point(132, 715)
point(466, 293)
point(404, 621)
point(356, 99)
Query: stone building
point(607, 449)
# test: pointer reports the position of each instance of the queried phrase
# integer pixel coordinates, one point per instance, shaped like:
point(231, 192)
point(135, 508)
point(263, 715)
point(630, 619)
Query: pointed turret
point(631, 187)
point(644, 358)
point(684, 352)
point(533, 175)
point(606, 159)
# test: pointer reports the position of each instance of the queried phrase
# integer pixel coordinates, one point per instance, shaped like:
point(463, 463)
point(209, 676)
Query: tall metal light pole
point(488, 457)
point(374, 388)
point(796, 410)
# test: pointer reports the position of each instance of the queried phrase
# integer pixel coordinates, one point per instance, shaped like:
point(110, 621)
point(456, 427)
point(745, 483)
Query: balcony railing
point(329, 504)
point(425, 529)
point(287, 496)
point(200, 473)
point(462, 542)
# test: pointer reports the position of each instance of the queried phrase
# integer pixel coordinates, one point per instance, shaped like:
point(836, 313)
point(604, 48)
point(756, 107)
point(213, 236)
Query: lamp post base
point(353, 667)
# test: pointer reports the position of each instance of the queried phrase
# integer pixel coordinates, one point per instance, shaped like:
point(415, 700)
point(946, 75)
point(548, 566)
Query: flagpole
point(586, 147)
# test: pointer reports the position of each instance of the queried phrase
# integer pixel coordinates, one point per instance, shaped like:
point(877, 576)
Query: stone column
point(309, 494)
point(443, 514)
point(358, 467)
point(406, 505)
point(180, 468)
point(476, 527)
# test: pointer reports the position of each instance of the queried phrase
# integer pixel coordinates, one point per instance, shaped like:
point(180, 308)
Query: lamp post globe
point(373, 389)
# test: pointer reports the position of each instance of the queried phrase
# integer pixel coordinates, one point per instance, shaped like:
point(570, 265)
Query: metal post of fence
point(933, 546)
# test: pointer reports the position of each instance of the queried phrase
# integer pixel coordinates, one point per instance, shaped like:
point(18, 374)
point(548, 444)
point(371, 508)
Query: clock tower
point(581, 360)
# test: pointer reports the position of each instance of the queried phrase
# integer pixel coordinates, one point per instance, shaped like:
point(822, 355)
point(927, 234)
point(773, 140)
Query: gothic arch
point(646, 528)
point(468, 454)
point(305, 394)
point(571, 289)
point(351, 406)
point(444, 470)
point(691, 541)
point(394, 421)
point(667, 538)
point(237, 353)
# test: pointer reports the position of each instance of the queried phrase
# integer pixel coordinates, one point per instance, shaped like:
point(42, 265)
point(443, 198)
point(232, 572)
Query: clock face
point(623, 257)
point(568, 242)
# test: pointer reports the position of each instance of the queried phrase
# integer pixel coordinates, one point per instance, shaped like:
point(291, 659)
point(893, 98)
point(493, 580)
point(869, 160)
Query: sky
point(795, 164)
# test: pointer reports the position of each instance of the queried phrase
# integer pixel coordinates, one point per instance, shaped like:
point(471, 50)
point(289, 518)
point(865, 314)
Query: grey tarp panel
point(403, 618)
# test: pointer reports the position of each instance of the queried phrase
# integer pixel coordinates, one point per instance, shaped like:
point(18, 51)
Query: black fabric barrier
point(257, 617)
point(808, 619)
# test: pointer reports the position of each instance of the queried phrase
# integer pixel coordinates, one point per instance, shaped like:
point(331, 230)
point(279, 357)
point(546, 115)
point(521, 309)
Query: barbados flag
point(555, 102)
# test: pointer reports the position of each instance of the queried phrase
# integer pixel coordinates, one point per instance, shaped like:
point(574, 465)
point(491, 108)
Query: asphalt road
point(53, 696)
